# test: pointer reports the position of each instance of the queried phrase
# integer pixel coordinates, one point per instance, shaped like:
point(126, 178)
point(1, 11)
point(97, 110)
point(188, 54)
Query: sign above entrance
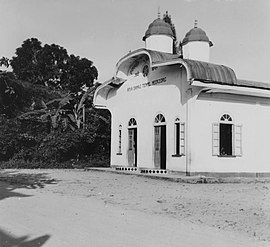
point(147, 84)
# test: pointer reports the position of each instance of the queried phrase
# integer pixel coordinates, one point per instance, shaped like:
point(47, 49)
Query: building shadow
point(7, 240)
point(12, 180)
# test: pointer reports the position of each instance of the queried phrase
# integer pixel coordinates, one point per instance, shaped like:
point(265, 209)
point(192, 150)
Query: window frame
point(179, 138)
point(159, 120)
point(236, 137)
point(119, 140)
point(226, 119)
point(132, 123)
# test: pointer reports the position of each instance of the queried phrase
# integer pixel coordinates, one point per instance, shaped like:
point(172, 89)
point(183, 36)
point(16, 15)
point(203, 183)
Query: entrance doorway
point(132, 143)
point(160, 142)
point(225, 141)
point(226, 135)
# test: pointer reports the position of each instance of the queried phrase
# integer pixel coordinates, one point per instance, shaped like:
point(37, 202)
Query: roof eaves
point(197, 70)
point(253, 84)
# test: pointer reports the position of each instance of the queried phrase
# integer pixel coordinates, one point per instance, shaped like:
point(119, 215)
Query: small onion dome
point(196, 34)
point(158, 26)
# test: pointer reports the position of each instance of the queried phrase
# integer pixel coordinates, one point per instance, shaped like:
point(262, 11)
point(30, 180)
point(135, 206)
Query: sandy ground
point(89, 208)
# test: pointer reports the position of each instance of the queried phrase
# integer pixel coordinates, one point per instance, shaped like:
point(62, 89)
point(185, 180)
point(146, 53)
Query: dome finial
point(158, 14)
point(196, 23)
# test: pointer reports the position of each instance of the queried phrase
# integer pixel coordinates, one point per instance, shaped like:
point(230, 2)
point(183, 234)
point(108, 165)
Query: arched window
point(227, 137)
point(226, 118)
point(160, 120)
point(179, 137)
point(132, 123)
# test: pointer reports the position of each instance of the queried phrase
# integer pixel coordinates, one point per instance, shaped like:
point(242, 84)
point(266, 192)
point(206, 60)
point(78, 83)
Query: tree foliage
point(52, 66)
point(79, 72)
point(18, 96)
point(46, 113)
point(167, 18)
point(4, 61)
point(52, 60)
point(25, 63)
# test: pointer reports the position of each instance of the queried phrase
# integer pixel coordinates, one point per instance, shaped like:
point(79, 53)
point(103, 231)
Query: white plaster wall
point(161, 43)
point(144, 104)
point(197, 50)
point(255, 120)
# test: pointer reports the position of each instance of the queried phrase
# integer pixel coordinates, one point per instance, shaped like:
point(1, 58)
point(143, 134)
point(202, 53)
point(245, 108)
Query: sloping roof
point(198, 70)
point(155, 56)
point(208, 72)
point(197, 73)
point(219, 74)
point(158, 57)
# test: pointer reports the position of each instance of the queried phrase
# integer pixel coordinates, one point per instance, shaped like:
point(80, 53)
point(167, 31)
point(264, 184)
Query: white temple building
point(180, 112)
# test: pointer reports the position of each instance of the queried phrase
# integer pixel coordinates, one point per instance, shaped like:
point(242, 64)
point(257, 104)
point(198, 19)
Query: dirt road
point(54, 208)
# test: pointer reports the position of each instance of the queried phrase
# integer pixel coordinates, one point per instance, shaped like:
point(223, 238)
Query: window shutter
point(215, 139)
point(182, 139)
point(238, 140)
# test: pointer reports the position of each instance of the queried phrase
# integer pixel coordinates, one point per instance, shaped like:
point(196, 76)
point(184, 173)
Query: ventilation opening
point(153, 171)
point(132, 169)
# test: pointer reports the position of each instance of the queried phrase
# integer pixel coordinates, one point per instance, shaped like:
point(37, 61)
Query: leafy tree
point(50, 65)
point(63, 113)
point(46, 113)
point(10, 95)
point(9, 142)
point(25, 63)
point(62, 144)
point(4, 61)
point(167, 18)
point(79, 72)
point(18, 96)
point(52, 61)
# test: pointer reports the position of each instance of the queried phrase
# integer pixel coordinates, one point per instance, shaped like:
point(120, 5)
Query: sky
point(105, 30)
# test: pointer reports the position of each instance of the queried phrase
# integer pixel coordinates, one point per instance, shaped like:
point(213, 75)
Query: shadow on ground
point(12, 180)
point(7, 240)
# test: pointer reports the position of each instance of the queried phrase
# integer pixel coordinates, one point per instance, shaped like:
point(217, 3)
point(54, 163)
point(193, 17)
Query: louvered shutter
point(182, 139)
point(238, 140)
point(215, 139)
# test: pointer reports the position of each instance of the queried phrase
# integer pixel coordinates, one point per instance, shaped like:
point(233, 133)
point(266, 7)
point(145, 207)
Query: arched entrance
point(160, 142)
point(132, 142)
point(226, 135)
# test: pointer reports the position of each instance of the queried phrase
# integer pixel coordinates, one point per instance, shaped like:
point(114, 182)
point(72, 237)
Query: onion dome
point(196, 34)
point(158, 27)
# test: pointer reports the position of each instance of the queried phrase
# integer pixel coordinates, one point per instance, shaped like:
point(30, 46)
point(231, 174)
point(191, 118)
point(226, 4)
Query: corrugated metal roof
point(208, 72)
point(158, 57)
point(198, 70)
point(219, 74)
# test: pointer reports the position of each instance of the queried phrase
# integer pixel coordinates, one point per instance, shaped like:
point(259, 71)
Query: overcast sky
point(105, 30)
